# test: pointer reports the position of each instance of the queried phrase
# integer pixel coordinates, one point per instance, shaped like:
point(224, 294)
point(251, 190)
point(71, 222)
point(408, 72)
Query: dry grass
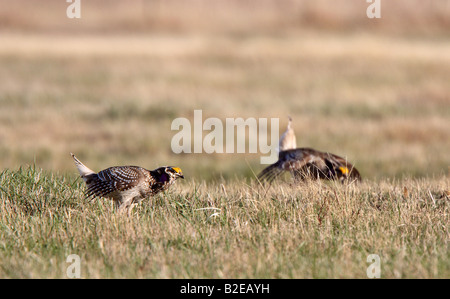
point(231, 230)
point(108, 86)
point(367, 97)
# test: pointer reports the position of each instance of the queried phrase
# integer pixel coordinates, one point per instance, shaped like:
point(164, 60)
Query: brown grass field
point(108, 86)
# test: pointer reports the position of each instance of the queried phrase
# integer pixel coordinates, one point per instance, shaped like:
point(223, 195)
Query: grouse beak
point(179, 172)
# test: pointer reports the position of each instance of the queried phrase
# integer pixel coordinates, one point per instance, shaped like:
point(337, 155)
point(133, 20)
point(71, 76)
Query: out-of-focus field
point(108, 86)
point(376, 94)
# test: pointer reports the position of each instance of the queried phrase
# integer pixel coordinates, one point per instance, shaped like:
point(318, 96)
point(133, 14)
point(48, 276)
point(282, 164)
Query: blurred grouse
point(308, 163)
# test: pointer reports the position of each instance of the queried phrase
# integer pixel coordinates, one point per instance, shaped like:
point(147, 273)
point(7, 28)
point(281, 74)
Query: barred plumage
point(127, 185)
point(307, 163)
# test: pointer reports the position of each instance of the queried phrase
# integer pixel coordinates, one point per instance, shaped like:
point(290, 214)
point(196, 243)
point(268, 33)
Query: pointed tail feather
point(82, 169)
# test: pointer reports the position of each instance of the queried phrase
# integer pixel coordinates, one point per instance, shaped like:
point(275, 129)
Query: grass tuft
point(238, 230)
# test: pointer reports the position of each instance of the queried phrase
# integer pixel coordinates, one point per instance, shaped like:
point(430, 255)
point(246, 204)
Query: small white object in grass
point(213, 215)
point(210, 208)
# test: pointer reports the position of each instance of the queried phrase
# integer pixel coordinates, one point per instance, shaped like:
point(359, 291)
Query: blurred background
point(107, 86)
